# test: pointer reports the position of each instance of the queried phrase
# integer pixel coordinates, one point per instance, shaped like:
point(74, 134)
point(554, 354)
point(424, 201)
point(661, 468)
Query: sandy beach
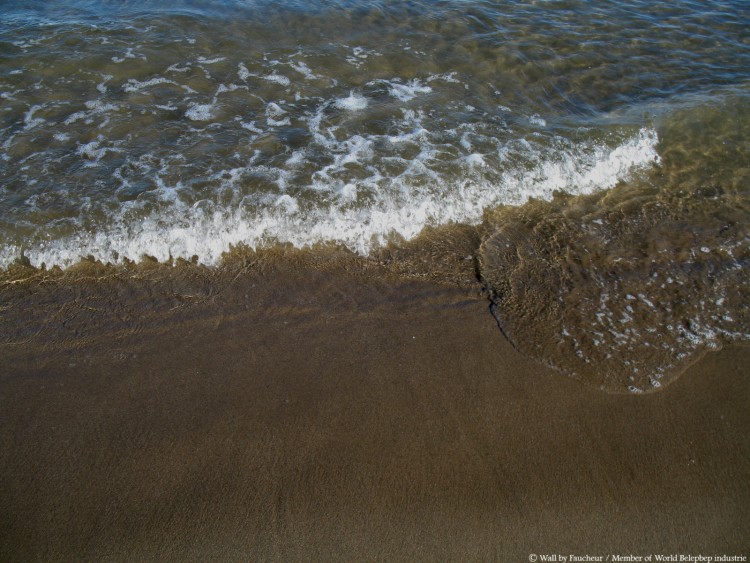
point(340, 280)
point(315, 413)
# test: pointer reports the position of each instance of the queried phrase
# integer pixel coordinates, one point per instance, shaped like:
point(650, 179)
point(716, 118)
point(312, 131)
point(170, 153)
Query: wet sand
point(318, 414)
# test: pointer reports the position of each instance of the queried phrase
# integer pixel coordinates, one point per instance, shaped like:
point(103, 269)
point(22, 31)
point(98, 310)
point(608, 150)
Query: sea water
point(604, 147)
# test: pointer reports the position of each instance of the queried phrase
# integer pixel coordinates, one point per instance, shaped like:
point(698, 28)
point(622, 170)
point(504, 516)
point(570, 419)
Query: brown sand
point(314, 415)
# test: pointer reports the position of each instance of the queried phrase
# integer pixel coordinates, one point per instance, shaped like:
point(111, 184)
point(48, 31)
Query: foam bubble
point(102, 86)
point(30, 121)
point(200, 112)
point(288, 203)
point(276, 115)
point(176, 68)
point(408, 91)
point(242, 72)
point(353, 102)
point(475, 160)
point(297, 158)
point(95, 107)
point(133, 85)
point(537, 120)
point(251, 126)
point(303, 69)
point(205, 61)
point(278, 79)
point(400, 204)
point(274, 110)
point(94, 151)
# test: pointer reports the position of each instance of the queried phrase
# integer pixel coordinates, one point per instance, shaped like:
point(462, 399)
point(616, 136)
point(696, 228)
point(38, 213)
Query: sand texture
point(315, 414)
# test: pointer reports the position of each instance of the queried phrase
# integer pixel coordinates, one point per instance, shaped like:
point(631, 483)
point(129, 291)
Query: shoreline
point(328, 412)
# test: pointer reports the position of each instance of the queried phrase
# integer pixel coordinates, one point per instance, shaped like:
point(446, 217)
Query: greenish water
point(180, 130)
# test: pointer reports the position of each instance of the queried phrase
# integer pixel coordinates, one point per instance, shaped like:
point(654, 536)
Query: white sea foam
point(278, 79)
point(251, 127)
point(274, 110)
point(288, 203)
point(29, 120)
point(408, 91)
point(92, 152)
point(353, 102)
point(129, 54)
point(401, 204)
point(445, 77)
point(95, 107)
point(475, 160)
point(176, 68)
point(205, 61)
point(537, 120)
point(297, 158)
point(304, 70)
point(200, 112)
point(133, 85)
point(275, 115)
point(242, 72)
point(359, 56)
point(231, 88)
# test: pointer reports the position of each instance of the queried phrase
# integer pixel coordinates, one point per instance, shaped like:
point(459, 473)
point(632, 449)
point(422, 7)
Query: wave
point(624, 289)
point(398, 209)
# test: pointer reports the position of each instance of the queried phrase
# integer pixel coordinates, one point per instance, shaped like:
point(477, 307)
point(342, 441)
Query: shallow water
point(603, 149)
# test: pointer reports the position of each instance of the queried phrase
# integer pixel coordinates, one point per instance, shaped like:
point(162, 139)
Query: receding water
point(604, 146)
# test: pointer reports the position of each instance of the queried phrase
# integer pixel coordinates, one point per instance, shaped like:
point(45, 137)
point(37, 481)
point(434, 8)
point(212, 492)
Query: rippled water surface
point(603, 146)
